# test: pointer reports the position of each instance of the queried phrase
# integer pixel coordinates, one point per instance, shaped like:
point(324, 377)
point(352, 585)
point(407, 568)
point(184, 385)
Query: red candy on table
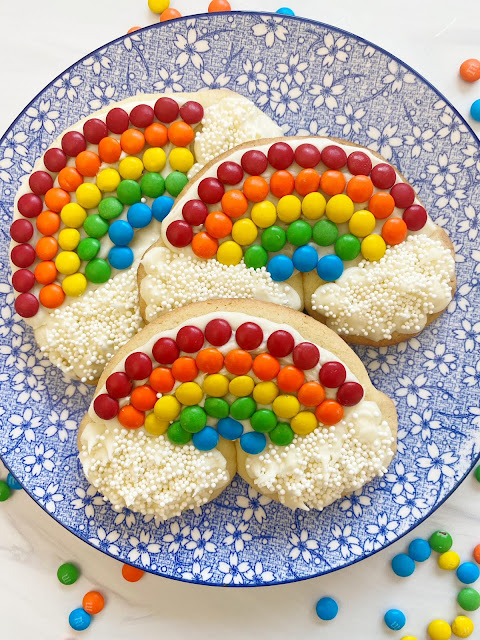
point(332, 374)
point(280, 343)
point(254, 162)
point(26, 305)
point(138, 366)
point(30, 205)
point(23, 255)
point(307, 156)
point(350, 394)
point(142, 116)
point(166, 109)
point(165, 351)
point(383, 176)
point(117, 120)
point(118, 385)
point(73, 143)
point(195, 212)
point(230, 173)
point(95, 130)
point(359, 164)
point(306, 355)
point(21, 230)
point(190, 339)
point(40, 182)
point(415, 217)
point(106, 407)
point(179, 233)
point(249, 335)
point(218, 332)
point(23, 280)
point(281, 156)
point(334, 157)
point(211, 190)
point(403, 194)
point(191, 112)
point(55, 160)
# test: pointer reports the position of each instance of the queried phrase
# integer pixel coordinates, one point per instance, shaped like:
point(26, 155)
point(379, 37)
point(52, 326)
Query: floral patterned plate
point(312, 79)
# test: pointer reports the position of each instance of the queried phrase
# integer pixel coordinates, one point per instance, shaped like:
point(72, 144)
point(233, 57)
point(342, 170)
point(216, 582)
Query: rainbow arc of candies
point(259, 381)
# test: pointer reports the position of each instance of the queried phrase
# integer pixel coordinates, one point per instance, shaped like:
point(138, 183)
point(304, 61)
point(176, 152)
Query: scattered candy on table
point(441, 541)
point(462, 627)
point(476, 554)
point(409, 638)
point(470, 70)
point(439, 630)
point(132, 574)
point(477, 473)
point(158, 6)
point(93, 602)
point(395, 619)
point(469, 599)
point(79, 619)
point(327, 609)
point(403, 565)
point(286, 11)
point(475, 110)
point(68, 573)
point(419, 550)
point(449, 561)
point(4, 491)
point(468, 573)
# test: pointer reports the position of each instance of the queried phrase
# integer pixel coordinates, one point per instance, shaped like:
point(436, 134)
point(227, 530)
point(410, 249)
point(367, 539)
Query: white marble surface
point(37, 42)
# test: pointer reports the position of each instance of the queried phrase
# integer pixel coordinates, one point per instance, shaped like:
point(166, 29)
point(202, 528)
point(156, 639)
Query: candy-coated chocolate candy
point(470, 70)
point(229, 253)
point(23, 255)
point(152, 185)
point(167, 408)
point(244, 232)
point(441, 541)
point(449, 560)
point(129, 192)
point(241, 386)
point(274, 238)
point(106, 407)
point(154, 426)
point(206, 439)
point(402, 565)
point(21, 231)
point(280, 343)
point(120, 233)
point(289, 208)
point(394, 231)
point(46, 272)
point(229, 429)
point(327, 609)
point(415, 217)
point(55, 160)
point(282, 435)
point(189, 393)
point(161, 207)
point(334, 157)
point(40, 182)
point(332, 374)
point(263, 420)
point(26, 305)
point(299, 233)
point(211, 190)
point(161, 380)
point(266, 367)
point(73, 215)
point(181, 159)
point(190, 339)
point(191, 112)
point(265, 392)
point(362, 223)
point(307, 156)
point(403, 194)
point(132, 574)
point(4, 491)
point(193, 419)
point(254, 162)
point(468, 573)
point(73, 143)
point(419, 550)
point(74, 285)
point(475, 110)
point(120, 257)
point(158, 6)
point(117, 120)
point(219, 5)
point(230, 173)
point(306, 356)
point(311, 394)
point(256, 257)
point(243, 408)
point(51, 296)
point(285, 11)
point(67, 573)
point(253, 442)
point(218, 332)
point(23, 280)
point(217, 408)
point(139, 215)
point(359, 163)
point(177, 434)
point(330, 268)
point(325, 233)
point(469, 599)
point(216, 385)
point(290, 379)
point(69, 239)
point(131, 418)
point(88, 195)
point(280, 268)
point(30, 205)
point(88, 248)
point(142, 116)
point(395, 619)
point(340, 208)
point(264, 214)
point(204, 246)
point(249, 336)
point(95, 226)
point(282, 183)
point(347, 247)
point(154, 159)
point(79, 619)
point(255, 188)
point(350, 394)
point(462, 627)
point(46, 248)
point(360, 188)
point(138, 366)
point(373, 247)
point(477, 474)
point(333, 182)
point(166, 109)
point(185, 369)
point(13, 483)
point(179, 233)
point(383, 176)
point(95, 130)
point(175, 182)
point(439, 630)
point(304, 423)
point(93, 602)
point(118, 385)
point(281, 155)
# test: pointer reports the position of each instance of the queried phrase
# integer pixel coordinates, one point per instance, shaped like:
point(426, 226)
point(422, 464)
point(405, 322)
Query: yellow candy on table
point(241, 386)
point(439, 630)
point(409, 638)
point(189, 393)
point(167, 408)
point(286, 406)
point(74, 285)
point(154, 426)
point(264, 214)
point(158, 6)
point(265, 392)
point(340, 208)
point(69, 239)
point(313, 206)
point(244, 231)
point(362, 223)
point(229, 253)
point(462, 627)
point(216, 385)
point(289, 208)
point(373, 247)
point(67, 262)
point(154, 159)
point(304, 422)
point(108, 180)
point(130, 168)
point(181, 159)
point(88, 195)
point(449, 561)
point(73, 215)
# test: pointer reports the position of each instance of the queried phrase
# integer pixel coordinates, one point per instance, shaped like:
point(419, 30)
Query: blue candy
point(330, 268)
point(419, 550)
point(139, 215)
point(403, 565)
point(327, 609)
point(121, 233)
point(285, 11)
point(120, 257)
point(305, 258)
point(475, 110)
point(79, 619)
point(12, 483)
point(161, 207)
point(468, 572)
point(229, 428)
point(280, 268)
point(253, 442)
point(395, 619)
point(206, 439)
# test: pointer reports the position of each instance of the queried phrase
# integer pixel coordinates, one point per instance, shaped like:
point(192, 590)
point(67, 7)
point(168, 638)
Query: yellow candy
point(439, 630)
point(108, 180)
point(462, 627)
point(408, 638)
point(216, 385)
point(244, 231)
point(340, 208)
point(373, 247)
point(289, 208)
point(241, 386)
point(158, 6)
point(304, 422)
point(229, 253)
point(181, 159)
point(286, 406)
point(313, 206)
point(362, 223)
point(88, 195)
point(265, 392)
point(73, 215)
point(154, 159)
point(155, 426)
point(74, 285)
point(130, 168)
point(167, 408)
point(264, 214)
point(189, 393)
point(67, 262)
point(68, 239)
point(449, 561)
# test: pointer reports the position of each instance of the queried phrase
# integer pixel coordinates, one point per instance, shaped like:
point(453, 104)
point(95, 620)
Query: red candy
point(105, 407)
point(21, 231)
point(254, 162)
point(280, 155)
point(165, 351)
point(191, 112)
point(280, 343)
point(73, 143)
point(218, 332)
point(334, 157)
point(40, 182)
point(307, 156)
point(403, 194)
point(117, 120)
point(166, 109)
point(30, 205)
point(249, 336)
point(95, 130)
point(23, 255)
point(211, 190)
point(119, 385)
point(415, 217)
point(26, 305)
point(179, 233)
point(306, 355)
point(23, 280)
point(195, 212)
point(359, 164)
point(383, 176)
point(349, 394)
point(230, 173)
point(190, 339)
point(55, 160)
point(138, 366)
point(142, 116)
point(332, 374)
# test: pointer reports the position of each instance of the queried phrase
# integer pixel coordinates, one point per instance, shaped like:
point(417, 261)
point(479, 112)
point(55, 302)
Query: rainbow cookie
point(94, 203)
point(311, 221)
point(234, 385)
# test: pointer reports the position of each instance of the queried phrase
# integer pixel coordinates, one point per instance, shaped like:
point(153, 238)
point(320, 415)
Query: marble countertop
point(41, 39)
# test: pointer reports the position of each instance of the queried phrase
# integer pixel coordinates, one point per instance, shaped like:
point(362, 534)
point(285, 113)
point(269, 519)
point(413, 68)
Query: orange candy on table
point(209, 360)
point(170, 14)
point(381, 205)
point(333, 182)
point(184, 369)
point(256, 188)
point(282, 183)
point(290, 379)
point(88, 163)
point(238, 362)
point(180, 133)
point(359, 188)
point(470, 70)
point(162, 380)
point(133, 29)
point(156, 134)
point(204, 246)
point(109, 150)
point(51, 296)
point(476, 554)
point(394, 231)
point(69, 179)
point(218, 225)
point(131, 418)
point(45, 272)
point(307, 181)
point(56, 199)
point(329, 412)
point(132, 574)
point(219, 5)
point(93, 602)
point(234, 203)
point(143, 398)
point(46, 248)
point(48, 223)
point(266, 367)
point(311, 394)
point(132, 141)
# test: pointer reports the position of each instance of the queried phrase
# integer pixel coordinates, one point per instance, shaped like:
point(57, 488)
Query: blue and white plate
point(312, 79)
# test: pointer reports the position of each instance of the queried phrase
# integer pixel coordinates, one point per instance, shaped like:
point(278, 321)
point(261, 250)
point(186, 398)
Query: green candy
point(441, 541)
point(110, 208)
point(4, 491)
point(256, 257)
point(98, 271)
point(282, 434)
point(299, 233)
point(88, 248)
point(177, 434)
point(67, 573)
point(152, 185)
point(477, 473)
point(469, 599)
point(216, 408)
point(175, 182)
point(325, 233)
point(243, 408)
point(95, 226)
point(274, 238)
point(129, 192)
point(347, 247)
point(193, 419)
point(263, 420)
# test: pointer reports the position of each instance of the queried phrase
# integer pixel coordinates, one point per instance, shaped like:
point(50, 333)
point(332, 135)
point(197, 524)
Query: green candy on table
point(175, 182)
point(95, 226)
point(243, 408)
point(4, 491)
point(263, 420)
point(477, 473)
point(347, 247)
point(256, 257)
point(299, 233)
point(441, 541)
point(98, 271)
point(67, 573)
point(129, 192)
point(325, 233)
point(177, 434)
point(282, 435)
point(216, 408)
point(469, 599)
point(274, 238)
point(110, 208)
point(152, 185)
point(88, 248)
point(193, 419)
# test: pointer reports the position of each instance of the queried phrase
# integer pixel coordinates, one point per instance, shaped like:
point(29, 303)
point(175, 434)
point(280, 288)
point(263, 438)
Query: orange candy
point(209, 360)
point(46, 248)
point(132, 574)
point(234, 203)
point(204, 246)
point(48, 223)
point(470, 70)
point(56, 199)
point(238, 362)
point(359, 188)
point(132, 141)
point(333, 182)
point(282, 183)
point(329, 412)
point(109, 150)
point(69, 179)
point(218, 225)
point(93, 602)
point(46, 272)
point(290, 379)
point(133, 29)
point(311, 394)
point(219, 5)
point(266, 367)
point(51, 296)
point(143, 398)
point(170, 14)
point(88, 163)
point(180, 133)
point(162, 380)
point(307, 182)
point(381, 205)
point(184, 369)
point(394, 231)
point(131, 418)
point(476, 553)
point(256, 188)
point(156, 134)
